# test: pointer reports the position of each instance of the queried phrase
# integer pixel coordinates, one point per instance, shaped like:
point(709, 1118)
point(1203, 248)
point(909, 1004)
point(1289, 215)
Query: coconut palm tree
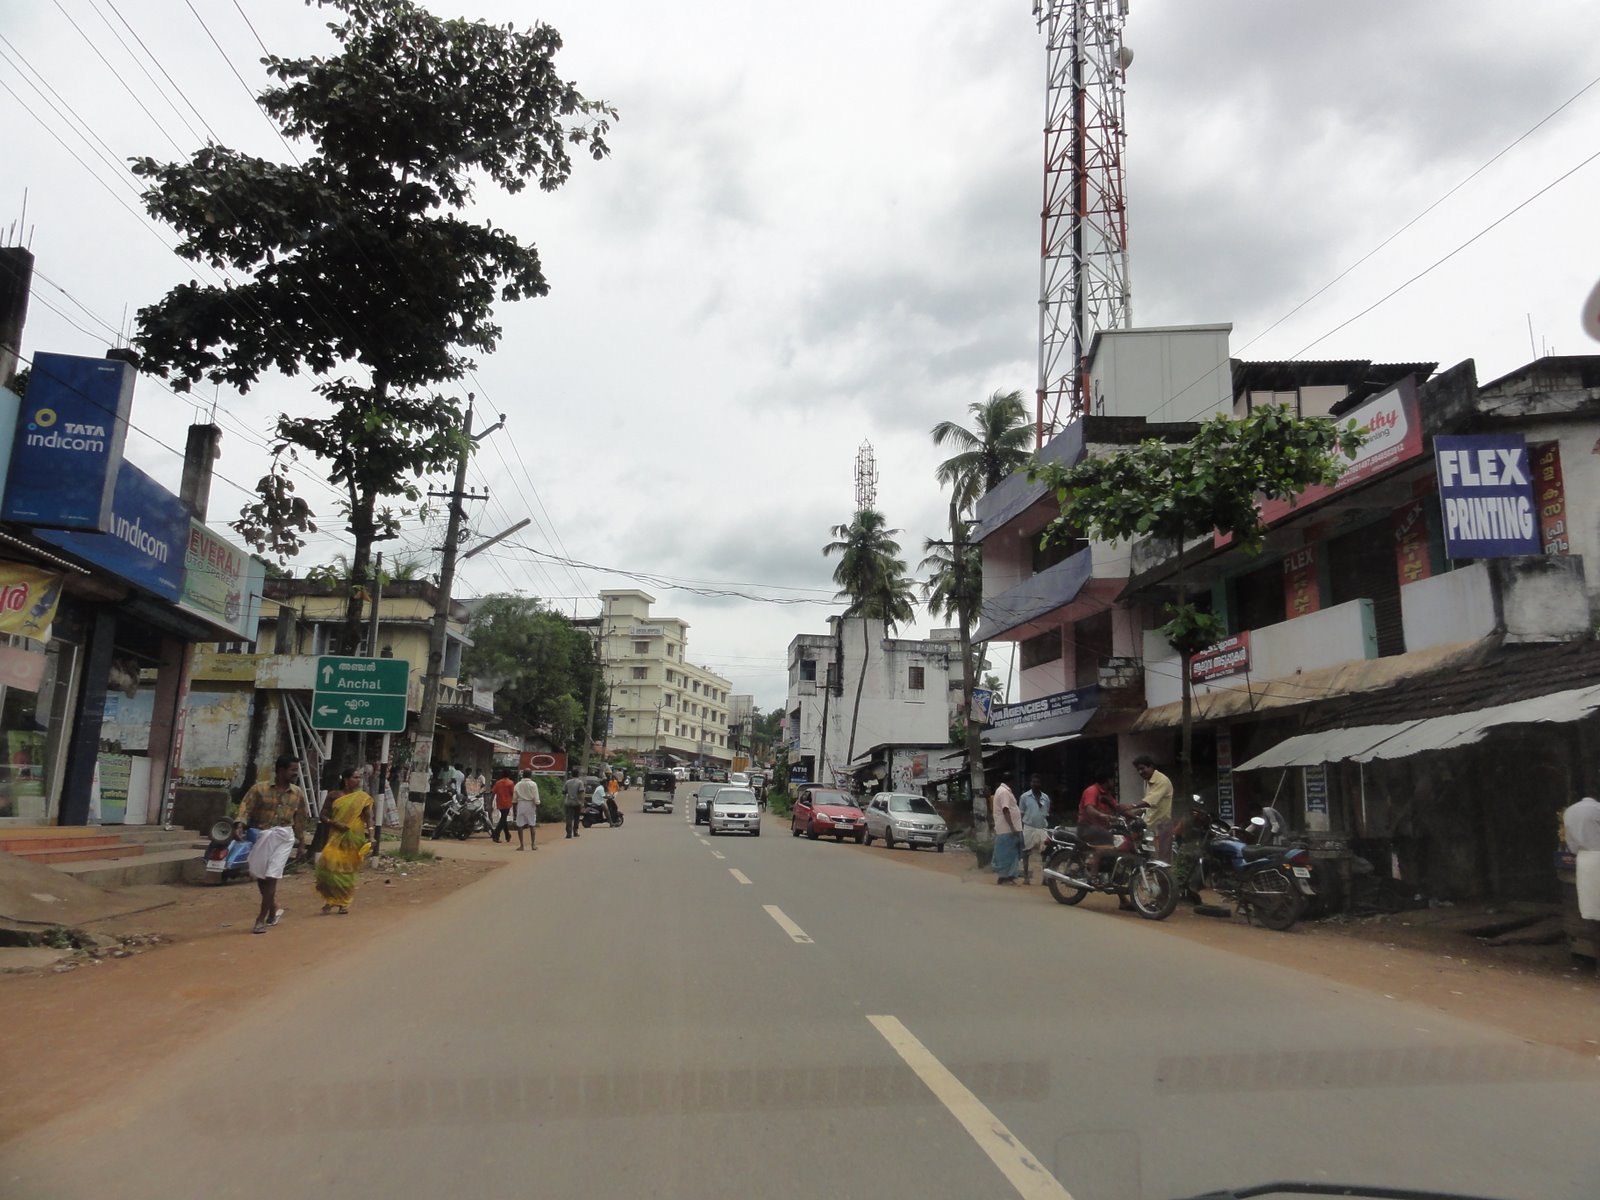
point(997, 444)
point(872, 576)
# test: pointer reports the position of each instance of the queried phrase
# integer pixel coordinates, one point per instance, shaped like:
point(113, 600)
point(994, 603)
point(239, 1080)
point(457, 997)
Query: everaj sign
point(68, 442)
point(1486, 496)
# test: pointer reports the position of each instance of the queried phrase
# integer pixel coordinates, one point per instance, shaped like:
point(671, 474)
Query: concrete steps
point(159, 866)
point(108, 855)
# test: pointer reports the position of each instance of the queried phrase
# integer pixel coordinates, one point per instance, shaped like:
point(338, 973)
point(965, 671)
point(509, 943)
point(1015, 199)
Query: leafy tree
point(996, 445)
point(361, 267)
point(539, 663)
point(1176, 492)
point(872, 575)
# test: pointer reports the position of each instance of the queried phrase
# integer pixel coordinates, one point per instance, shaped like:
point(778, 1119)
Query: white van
point(739, 779)
point(682, 773)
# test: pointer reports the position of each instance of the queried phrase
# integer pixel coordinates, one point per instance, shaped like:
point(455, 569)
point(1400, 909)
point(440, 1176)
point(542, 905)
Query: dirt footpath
point(74, 1034)
point(1536, 993)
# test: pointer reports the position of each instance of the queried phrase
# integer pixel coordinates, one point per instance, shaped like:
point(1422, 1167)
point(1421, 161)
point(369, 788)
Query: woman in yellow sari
point(349, 816)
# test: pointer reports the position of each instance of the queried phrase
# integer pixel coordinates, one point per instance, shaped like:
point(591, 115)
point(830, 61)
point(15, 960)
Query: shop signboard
point(1316, 781)
point(145, 539)
point(1302, 594)
point(544, 762)
point(114, 773)
point(1225, 775)
point(1230, 656)
point(221, 583)
point(1410, 525)
point(68, 444)
point(1486, 496)
point(1058, 704)
point(365, 695)
point(982, 705)
point(647, 631)
point(28, 599)
point(1550, 491)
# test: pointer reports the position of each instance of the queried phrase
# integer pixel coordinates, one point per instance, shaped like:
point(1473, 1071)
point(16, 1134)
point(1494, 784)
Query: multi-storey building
point(660, 705)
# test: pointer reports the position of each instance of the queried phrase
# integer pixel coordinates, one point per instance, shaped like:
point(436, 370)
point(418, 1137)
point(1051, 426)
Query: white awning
point(1364, 743)
point(1041, 743)
point(495, 743)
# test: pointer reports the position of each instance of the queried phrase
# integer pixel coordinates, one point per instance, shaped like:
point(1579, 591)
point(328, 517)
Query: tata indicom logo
point(72, 437)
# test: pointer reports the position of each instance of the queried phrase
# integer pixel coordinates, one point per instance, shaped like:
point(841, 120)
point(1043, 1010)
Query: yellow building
point(660, 702)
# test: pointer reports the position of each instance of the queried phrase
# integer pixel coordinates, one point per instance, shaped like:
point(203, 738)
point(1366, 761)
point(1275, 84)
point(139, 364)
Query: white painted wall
point(1343, 633)
point(1457, 606)
point(1168, 373)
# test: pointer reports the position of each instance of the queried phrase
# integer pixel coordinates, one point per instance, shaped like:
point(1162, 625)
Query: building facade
point(660, 705)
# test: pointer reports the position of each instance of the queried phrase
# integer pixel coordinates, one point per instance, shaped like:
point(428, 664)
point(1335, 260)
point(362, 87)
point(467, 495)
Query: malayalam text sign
point(1486, 496)
point(1231, 656)
point(364, 695)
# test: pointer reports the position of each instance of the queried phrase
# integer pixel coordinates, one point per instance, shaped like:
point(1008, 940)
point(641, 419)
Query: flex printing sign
point(144, 539)
point(1055, 705)
point(1486, 496)
point(68, 444)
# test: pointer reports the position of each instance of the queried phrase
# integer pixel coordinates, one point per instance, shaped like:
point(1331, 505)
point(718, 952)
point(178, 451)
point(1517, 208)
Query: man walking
point(527, 797)
point(503, 799)
point(275, 814)
point(1007, 832)
point(1035, 808)
point(1157, 802)
point(572, 802)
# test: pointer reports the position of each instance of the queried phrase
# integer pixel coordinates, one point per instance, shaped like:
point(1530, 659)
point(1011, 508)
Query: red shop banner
point(1231, 656)
point(1550, 496)
point(544, 762)
point(1411, 557)
point(1301, 592)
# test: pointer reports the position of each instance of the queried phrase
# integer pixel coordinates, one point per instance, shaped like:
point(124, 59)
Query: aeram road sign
point(361, 695)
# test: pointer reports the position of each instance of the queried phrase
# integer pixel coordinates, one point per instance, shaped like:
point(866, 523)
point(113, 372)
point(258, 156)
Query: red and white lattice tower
point(1083, 267)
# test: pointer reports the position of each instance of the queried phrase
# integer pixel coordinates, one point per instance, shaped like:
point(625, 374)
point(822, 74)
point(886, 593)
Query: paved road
point(655, 1013)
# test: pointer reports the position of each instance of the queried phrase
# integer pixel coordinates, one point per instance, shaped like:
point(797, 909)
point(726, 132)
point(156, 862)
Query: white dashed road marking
point(738, 874)
point(1020, 1168)
point(794, 931)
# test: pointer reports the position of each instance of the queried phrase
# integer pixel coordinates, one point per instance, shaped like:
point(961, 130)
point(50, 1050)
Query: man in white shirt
point(526, 794)
point(1034, 805)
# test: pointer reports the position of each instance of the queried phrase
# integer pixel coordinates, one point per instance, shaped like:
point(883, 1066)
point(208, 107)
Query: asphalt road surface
point(654, 1013)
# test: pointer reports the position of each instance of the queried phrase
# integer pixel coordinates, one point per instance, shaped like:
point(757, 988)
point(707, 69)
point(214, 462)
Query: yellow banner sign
point(28, 599)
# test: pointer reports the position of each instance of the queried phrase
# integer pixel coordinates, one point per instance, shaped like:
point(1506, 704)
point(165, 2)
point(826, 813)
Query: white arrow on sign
point(326, 711)
point(327, 675)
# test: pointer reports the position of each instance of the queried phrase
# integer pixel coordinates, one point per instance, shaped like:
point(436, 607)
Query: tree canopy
point(539, 663)
point(998, 443)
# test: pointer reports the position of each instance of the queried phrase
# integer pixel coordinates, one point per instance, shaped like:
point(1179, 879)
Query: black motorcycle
point(461, 819)
point(604, 812)
point(1271, 883)
point(1127, 868)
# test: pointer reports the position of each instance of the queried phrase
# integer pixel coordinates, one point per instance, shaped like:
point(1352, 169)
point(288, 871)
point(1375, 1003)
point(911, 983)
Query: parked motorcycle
point(604, 813)
point(462, 817)
point(228, 852)
point(1127, 868)
point(1270, 882)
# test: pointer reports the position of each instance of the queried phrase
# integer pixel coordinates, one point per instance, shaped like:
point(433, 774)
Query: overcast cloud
point(819, 226)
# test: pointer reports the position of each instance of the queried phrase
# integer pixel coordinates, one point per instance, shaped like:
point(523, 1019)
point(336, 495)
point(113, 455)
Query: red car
point(827, 812)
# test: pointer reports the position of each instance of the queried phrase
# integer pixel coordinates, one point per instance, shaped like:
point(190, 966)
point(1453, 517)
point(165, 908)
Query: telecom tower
point(1083, 267)
point(866, 477)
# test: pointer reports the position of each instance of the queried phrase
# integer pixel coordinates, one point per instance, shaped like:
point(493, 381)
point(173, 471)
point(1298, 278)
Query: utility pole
point(422, 751)
point(594, 693)
point(361, 739)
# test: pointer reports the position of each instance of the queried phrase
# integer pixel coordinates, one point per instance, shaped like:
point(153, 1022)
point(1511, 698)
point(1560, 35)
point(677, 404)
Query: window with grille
point(641, 647)
point(641, 672)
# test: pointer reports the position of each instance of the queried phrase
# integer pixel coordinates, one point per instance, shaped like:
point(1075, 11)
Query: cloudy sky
point(819, 227)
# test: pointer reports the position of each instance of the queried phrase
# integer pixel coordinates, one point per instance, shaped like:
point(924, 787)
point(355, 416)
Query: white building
point(904, 694)
point(660, 702)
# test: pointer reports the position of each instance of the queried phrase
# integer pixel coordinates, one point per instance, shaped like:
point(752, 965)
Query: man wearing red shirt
point(504, 797)
point(1096, 807)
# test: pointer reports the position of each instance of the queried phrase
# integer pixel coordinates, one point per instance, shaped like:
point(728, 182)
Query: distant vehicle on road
point(660, 790)
point(682, 774)
point(905, 817)
point(738, 779)
point(717, 775)
point(702, 801)
point(734, 808)
point(758, 785)
point(827, 812)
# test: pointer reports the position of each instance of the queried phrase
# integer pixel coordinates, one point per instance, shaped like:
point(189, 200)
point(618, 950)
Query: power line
point(192, 131)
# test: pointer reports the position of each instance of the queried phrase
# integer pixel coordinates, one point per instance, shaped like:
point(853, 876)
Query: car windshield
point(912, 804)
point(832, 800)
point(735, 796)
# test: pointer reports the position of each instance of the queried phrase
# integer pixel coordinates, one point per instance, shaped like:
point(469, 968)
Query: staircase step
point(51, 855)
point(161, 866)
point(13, 841)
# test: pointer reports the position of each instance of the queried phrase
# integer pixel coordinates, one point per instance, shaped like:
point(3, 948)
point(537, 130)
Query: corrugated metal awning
point(1041, 743)
point(1058, 727)
point(1364, 743)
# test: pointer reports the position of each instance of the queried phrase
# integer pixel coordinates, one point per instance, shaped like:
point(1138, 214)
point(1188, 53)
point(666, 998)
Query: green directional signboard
point(361, 695)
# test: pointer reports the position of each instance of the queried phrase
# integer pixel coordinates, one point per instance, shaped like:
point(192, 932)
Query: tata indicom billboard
point(68, 444)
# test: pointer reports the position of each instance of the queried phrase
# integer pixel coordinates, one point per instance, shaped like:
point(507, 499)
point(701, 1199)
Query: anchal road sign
point(360, 695)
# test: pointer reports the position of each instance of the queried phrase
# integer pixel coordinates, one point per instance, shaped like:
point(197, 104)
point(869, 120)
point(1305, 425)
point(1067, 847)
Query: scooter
point(604, 813)
point(1127, 868)
point(228, 852)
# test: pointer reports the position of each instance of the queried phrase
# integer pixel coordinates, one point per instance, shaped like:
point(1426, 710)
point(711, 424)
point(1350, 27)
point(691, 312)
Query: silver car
point(735, 809)
point(905, 817)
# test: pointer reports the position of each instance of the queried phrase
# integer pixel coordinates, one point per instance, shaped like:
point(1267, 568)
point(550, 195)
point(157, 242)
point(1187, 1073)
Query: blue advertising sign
point(68, 444)
point(1486, 496)
point(146, 537)
point(1045, 706)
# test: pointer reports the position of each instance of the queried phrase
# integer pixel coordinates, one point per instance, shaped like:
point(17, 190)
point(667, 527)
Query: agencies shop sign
point(1029, 711)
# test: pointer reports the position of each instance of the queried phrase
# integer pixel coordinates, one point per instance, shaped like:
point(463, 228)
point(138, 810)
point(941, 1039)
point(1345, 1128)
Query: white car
point(905, 817)
point(739, 779)
point(735, 808)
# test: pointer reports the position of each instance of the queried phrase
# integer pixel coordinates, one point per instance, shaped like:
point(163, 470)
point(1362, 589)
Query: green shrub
point(551, 799)
point(779, 801)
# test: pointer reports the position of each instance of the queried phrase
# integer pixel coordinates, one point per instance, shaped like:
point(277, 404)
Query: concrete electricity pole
point(422, 747)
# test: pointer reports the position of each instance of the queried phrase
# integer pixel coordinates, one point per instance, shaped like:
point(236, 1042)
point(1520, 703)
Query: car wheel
point(860, 838)
point(794, 830)
point(868, 839)
point(811, 832)
point(756, 831)
point(941, 847)
point(888, 839)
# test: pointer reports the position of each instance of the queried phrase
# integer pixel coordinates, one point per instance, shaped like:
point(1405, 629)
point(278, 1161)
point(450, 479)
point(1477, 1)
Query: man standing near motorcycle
point(1007, 833)
point(276, 815)
point(1035, 808)
point(572, 801)
point(1157, 804)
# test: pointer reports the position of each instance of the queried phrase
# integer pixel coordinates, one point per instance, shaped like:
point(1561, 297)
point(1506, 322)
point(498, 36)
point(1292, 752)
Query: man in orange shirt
point(504, 797)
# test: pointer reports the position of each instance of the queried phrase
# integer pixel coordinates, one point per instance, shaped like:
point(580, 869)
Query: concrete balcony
point(1013, 613)
point(1014, 495)
point(1533, 599)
